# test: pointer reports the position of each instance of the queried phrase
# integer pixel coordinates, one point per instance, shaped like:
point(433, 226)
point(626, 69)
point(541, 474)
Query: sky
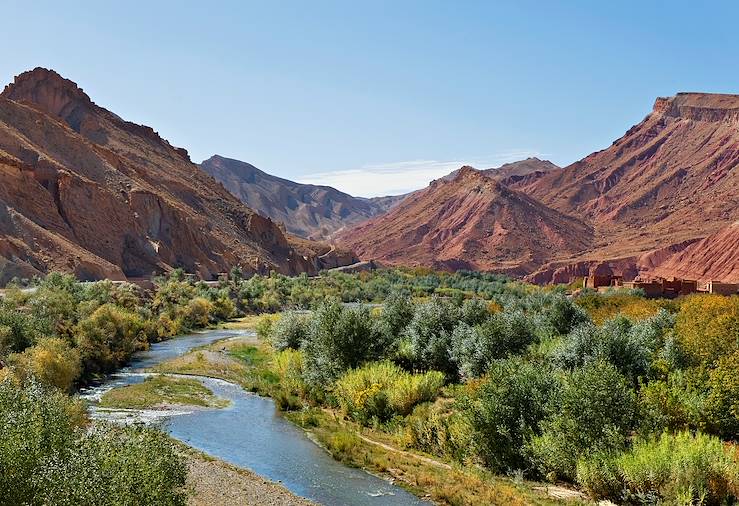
point(379, 97)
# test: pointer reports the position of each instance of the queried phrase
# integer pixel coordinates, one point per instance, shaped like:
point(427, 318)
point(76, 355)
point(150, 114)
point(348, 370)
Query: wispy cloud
point(402, 177)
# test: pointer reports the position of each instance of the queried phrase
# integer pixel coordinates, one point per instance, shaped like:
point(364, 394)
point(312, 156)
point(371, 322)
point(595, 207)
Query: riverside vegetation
point(630, 399)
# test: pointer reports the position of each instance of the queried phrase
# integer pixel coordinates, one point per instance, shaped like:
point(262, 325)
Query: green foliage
point(108, 337)
point(475, 348)
point(722, 404)
point(708, 327)
point(439, 431)
point(430, 336)
point(595, 414)
point(48, 457)
point(682, 468)
point(506, 411)
point(51, 362)
point(289, 331)
point(339, 338)
point(381, 390)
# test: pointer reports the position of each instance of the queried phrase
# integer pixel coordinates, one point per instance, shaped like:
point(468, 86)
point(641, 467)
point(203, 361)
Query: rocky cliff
point(85, 191)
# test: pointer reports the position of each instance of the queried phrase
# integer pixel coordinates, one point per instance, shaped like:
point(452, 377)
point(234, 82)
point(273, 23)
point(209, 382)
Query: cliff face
point(469, 222)
point(306, 210)
point(671, 178)
point(669, 182)
point(82, 190)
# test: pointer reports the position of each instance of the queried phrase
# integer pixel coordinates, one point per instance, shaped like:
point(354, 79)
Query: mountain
point(671, 178)
point(662, 199)
point(471, 221)
point(305, 210)
point(84, 191)
point(715, 257)
point(529, 166)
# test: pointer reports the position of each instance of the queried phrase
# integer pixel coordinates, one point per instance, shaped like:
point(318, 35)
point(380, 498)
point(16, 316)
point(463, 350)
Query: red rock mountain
point(471, 221)
point(304, 209)
point(715, 257)
point(648, 199)
point(83, 191)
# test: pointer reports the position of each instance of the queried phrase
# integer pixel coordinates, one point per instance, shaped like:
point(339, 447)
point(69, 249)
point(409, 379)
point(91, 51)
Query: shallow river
point(251, 434)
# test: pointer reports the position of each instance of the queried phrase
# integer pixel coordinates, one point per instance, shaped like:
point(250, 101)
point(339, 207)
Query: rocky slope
point(305, 210)
point(671, 178)
point(82, 190)
point(471, 221)
point(715, 257)
point(647, 201)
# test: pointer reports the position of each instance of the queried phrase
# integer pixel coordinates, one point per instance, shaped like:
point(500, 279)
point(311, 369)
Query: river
point(251, 434)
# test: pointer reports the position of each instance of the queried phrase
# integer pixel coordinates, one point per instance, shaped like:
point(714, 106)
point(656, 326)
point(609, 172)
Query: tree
point(51, 361)
point(506, 412)
point(707, 327)
point(596, 412)
point(339, 338)
point(430, 336)
point(289, 331)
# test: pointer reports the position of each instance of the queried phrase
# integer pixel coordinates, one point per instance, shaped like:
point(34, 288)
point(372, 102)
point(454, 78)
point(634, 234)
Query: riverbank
point(246, 362)
point(213, 482)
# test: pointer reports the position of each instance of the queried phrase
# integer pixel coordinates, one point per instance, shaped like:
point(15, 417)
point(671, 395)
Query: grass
point(444, 484)
point(158, 390)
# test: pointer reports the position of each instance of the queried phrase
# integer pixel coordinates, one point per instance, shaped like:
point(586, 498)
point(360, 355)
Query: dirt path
point(403, 452)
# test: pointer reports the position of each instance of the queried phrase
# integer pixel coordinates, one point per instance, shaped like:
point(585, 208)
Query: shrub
point(197, 313)
point(680, 469)
point(339, 339)
point(430, 336)
point(18, 330)
point(595, 414)
point(675, 403)
point(397, 312)
point(432, 429)
point(707, 327)
point(506, 412)
point(380, 390)
point(600, 476)
point(48, 457)
point(562, 314)
point(51, 362)
point(289, 331)
point(108, 337)
point(288, 366)
point(627, 346)
point(722, 403)
point(265, 324)
point(501, 335)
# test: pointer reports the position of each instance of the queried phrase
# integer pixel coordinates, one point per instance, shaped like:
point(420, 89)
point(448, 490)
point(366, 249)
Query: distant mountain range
point(306, 210)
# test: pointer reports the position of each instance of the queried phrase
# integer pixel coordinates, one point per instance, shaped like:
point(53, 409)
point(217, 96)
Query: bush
point(381, 390)
point(506, 412)
point(600, 476)
point(595, 414)
point(501, 335)
point(108, 337)
point(562, 315)
point(339, 339)
point(430, 336)
point(431, 429)
point(722, 404)
point(197, 313)
point(397, 312)
point(675, 403)
point(265, 324)
point(288, 366)
point(52, 362)
point(48, 457)
point(627, 346)
point(707, 327)
point(289, 331)
point(680, 469)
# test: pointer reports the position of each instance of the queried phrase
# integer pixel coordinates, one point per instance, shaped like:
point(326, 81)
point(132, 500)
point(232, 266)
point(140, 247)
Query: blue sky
point(379, 97)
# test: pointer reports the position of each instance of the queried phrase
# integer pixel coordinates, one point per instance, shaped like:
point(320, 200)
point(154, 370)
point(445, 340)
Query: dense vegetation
point(632, 399)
